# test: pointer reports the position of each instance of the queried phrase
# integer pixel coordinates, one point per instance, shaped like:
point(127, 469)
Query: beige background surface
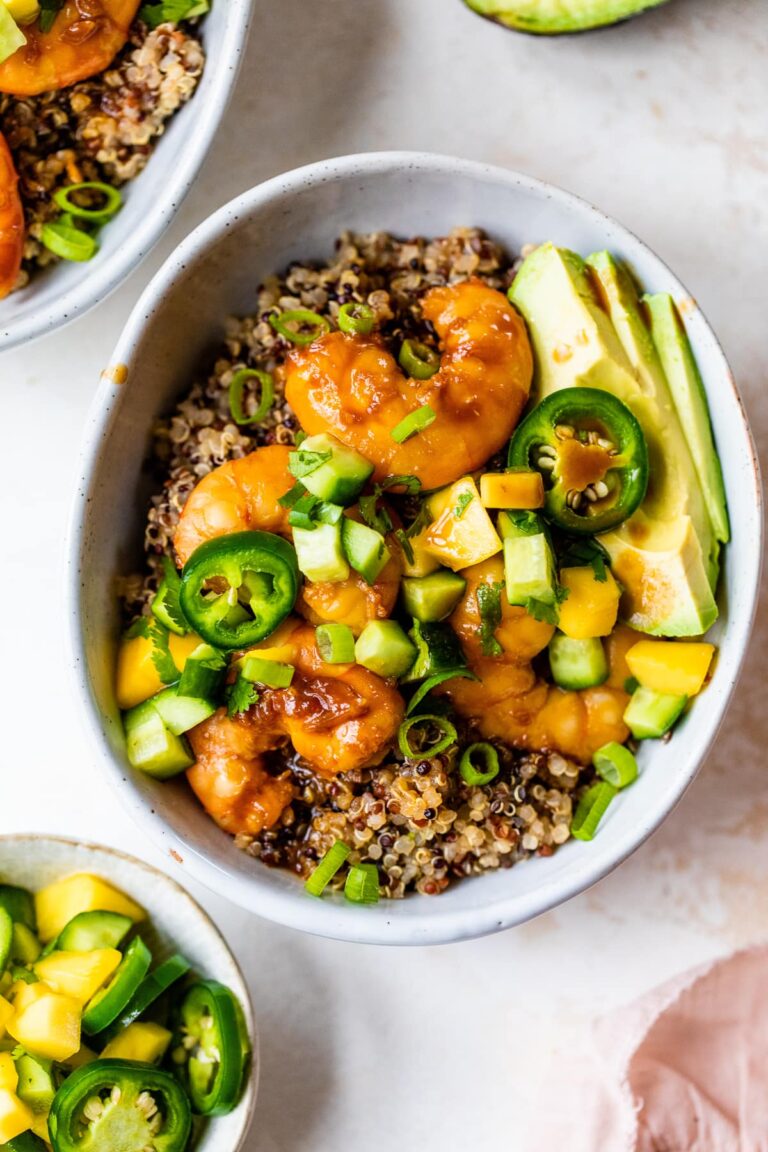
point(663, 123)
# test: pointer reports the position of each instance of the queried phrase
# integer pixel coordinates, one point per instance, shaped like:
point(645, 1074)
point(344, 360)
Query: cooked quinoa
point(102, 129)
point(415, 819)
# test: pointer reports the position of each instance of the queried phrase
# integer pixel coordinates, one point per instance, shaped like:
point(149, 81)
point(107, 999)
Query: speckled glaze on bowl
point(177, 924)
point(66, 291)
point(297, 216)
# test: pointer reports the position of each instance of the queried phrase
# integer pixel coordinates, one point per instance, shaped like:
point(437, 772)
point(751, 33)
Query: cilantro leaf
point(161, 653)
point(375, 517)
point(240, 696)
point(422, 521)
point(171, 11)
point(405, 544)
point(546, 613)
point(304, 462)
point(464, 500)
point(411, 484)
point(49, 11)
point(168, 598)
point(586, 553)
point(489, 604)
point(138, 627)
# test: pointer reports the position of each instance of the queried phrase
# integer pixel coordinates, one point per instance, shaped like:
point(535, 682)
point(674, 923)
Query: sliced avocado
point(669, 542)
point(682, 372)
point(555, 17)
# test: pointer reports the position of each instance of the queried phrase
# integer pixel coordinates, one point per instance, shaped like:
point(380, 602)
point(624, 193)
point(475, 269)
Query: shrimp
point(353, 601)
point(11, 222)
point(83, 40)
point(338, 717)
point(352, 387)
point(509, 701)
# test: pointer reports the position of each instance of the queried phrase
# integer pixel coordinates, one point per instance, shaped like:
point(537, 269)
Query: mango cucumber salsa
point(75, 965)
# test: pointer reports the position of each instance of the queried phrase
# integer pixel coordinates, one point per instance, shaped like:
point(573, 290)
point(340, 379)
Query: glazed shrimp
point(11, 222)
point(83, 40)
point(353, 601)
point(338, 717)
point(509, 701)
point(352, 387)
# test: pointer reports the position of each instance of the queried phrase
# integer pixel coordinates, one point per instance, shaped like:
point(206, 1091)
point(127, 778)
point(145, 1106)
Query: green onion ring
point(412, 423)
point(317, 324)
point(237, 387)
point(362, 884)
point(448, 738)
point(591, 809)
point(113, 201)
point(418, 360)
point(433, 682)
point(357, 319)
point(321, 876)
point(615, 764)
point(68, 243)
point(472, 775)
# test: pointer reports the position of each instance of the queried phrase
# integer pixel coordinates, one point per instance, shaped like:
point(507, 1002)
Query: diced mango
point(59, 902)
point(423, 563)
point(9, 1077)
point(139, 1041)
point(24, 994)
point(15, 1116)
point(84, 1055)
point(78, 974)
point(23, 11)
point(137, 677)
point(461, 532)
point(50, 1027)
point(512, 490)
point(40, 1126)
point(6, 1015)
point(616, 645)
point(674, 668)
point(591, 606)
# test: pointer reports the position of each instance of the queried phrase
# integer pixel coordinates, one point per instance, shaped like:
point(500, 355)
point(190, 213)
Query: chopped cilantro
point(489, 603)
point(304, 462)
point(405, 544)
point(161, 653)
point(586, 553)
point(170, 11)
point(411, 484)
point(171, 598)
point(464, 500)
point(240, 696)
point(546, 613)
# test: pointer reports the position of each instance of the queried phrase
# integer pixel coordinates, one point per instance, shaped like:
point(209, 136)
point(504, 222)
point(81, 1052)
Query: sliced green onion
point(616, 764)
point(433, 681)
point(418, 360)
point(304, 319)
point(68, 243)
point(474, 776)
point(446, 740)
point(362, 884)
point(271, 673)
point(591, 809)
point(335, 643)
point(414, 422)
point(113, 201)
point(237, 388)
point(327, 868)
point(357, 319)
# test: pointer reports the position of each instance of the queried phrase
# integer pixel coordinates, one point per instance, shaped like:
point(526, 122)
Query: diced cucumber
point(25, 946)
point(365, 549)
point(431, 598)
point(511, 524)
point(438, 650)
point(320, 553)
point(203, 673)
point(335, 643)
point(330, 470)
point(577, 663)
point(19, 904)
point(384, 648)
point(271, 673)
point(151, 746)
point(180, 713)
point(650, 714)
point(36, 1085)
point(89, 931)
point(529, 569)
point(6, 939)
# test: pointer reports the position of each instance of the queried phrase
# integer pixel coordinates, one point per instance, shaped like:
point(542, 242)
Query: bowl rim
point(327, 918)
point(196, 909)
point(106, 277)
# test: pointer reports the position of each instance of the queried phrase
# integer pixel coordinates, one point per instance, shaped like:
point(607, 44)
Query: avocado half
point(558, 17)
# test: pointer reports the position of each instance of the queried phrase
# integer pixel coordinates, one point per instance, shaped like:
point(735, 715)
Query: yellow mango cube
point(84, 1055)
point(23, 11)
point(9, 1077)
point(24, 994)
point(516, 490)
point(40, 1126)
point(616, 647)
point(461, 532)
point(137, 677)
point(591, 606)
point(423, 563)
point(59, 902)
point(15, 1116)
point(7, 1011)
point(147, 1042)
point(50, 1027)
point(78, 974)
point(676, 668)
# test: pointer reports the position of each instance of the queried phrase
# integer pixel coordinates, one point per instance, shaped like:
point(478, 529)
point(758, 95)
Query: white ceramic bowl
point(177, 924)
point(65, 291)
point(297, 216)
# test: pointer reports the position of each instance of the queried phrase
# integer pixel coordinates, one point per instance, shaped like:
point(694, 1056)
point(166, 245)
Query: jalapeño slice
point(213, 1048)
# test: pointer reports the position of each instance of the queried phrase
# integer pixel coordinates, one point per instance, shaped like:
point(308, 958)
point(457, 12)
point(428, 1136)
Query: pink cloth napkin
point(684, 1069)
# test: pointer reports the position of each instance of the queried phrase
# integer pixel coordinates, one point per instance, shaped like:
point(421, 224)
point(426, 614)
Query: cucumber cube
point(330, 470)
point(529, 569)
point(151, 746)
point(432, 598)
point(203, 673)
point(650, 714)
point(320, 553)
point(577, 664)
point(365, 549)
point(519, 524)
point(385, 649)
point(180, 713)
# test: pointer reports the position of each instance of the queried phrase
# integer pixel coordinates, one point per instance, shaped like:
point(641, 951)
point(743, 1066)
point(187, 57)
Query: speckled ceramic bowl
point(177, 924)
point(65, 291)
point(297, 217)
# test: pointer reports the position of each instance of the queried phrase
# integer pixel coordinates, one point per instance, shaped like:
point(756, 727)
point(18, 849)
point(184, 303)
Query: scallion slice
point(447, 738)
point(335, 643)
point(414, 422)
point(357, 319)
point(300, 326)
point(327, 868)
point(113, 201)
point(362, 884)
point(473, 775)
point(270, 673)
point(616, 764)
point(591, 809)
point(67, 242)
point(418, 360)
point(432, 682)
point(237, 387)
